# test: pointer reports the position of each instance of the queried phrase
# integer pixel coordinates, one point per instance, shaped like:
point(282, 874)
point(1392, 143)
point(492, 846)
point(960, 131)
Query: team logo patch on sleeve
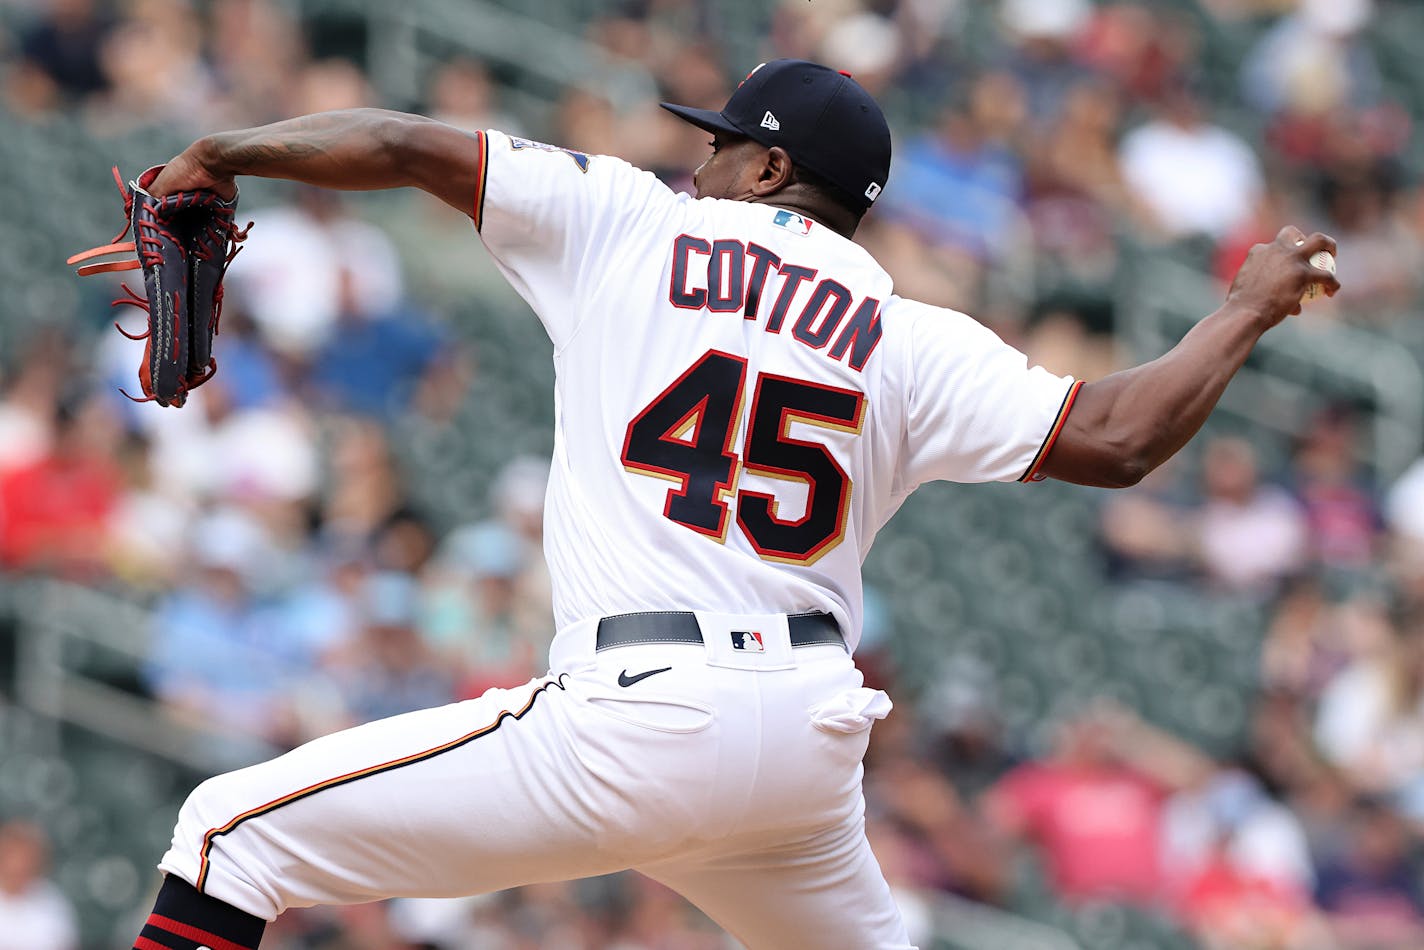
point(792, 222)
point(580, 158)
point(748, 641)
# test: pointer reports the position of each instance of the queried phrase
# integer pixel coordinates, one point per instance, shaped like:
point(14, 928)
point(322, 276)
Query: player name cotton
point(725, 275)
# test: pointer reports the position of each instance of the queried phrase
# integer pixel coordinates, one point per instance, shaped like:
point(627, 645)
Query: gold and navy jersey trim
point(477, 211)
point(1033, 474)
point(214, 833)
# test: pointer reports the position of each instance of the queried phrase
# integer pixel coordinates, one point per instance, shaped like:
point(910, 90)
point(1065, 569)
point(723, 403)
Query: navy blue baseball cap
point(823, 118)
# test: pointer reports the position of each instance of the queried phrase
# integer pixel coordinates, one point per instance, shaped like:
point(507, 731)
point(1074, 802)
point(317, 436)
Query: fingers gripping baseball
point(1277, 276)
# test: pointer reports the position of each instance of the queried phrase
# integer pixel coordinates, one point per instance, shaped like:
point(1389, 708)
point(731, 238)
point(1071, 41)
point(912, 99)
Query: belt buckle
point(746, 641)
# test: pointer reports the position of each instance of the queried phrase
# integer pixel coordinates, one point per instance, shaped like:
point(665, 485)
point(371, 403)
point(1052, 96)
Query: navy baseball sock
point(184, 919)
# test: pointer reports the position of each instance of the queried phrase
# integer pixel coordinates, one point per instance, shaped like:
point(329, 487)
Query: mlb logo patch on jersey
point(792, 222)
point(748, 641)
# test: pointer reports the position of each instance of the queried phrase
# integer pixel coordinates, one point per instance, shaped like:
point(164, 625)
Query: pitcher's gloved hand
point(183, 243)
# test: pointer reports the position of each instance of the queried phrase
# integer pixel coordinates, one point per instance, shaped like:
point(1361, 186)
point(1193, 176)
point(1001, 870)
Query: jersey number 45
point(686, 435)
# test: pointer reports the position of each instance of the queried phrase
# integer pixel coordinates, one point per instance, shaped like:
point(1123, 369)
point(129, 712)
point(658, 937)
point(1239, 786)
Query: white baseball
point(1321, 260)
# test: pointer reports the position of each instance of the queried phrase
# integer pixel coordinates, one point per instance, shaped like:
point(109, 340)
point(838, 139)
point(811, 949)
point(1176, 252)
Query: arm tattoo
point(258, 154)
point(347, 149)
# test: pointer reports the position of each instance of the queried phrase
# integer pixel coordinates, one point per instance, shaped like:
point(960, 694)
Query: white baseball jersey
point(741, 400)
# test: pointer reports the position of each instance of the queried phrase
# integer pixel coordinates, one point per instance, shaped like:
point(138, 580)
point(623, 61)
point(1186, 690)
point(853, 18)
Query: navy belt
point(680, 626)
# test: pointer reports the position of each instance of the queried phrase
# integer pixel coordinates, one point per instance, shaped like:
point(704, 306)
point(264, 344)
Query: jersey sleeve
point(975, 410)
point(555, 220)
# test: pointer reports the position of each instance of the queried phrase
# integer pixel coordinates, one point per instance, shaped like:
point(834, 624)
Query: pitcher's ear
point(777, 172)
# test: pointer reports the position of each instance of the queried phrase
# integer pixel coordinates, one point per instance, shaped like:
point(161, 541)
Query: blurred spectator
point(54, 512)
point(326, 85)
point(147, 525)
point(63, 46)
point(959, 184)
point(388, 668)
point(292, 279)
point(961, 727)
point(251, 374)
point(489, 596)
point(35, 375)
point(866, 45)
point(363, 488)
point(1189, 177)
point(1041, 35)
point(1094, 808)
point(1370, 721)
point(1305, 646)
point(404, 542)
point(462, 94)
point(214, 450)
point(153, 62)
point(34, 915)
point(1253, 536)
point(1238, 865)
point(1146, 531)
point(1341, 505)
point(1283, 753)
point(473, 607)
point(256, 62)
point(942, 843)
point(1075, 195)
point(1232, 817)
point(1329, 113)
point(321, 609)
point(1139, 48)
point(1370, 890)
point(373, 363)
point(1385, 254)
point(1313, 62)
point(1077, 156)
point(518, 495)
point(216, 654)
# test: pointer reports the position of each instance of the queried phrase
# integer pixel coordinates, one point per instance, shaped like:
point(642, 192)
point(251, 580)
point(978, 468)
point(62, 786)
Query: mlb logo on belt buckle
point(748, 641)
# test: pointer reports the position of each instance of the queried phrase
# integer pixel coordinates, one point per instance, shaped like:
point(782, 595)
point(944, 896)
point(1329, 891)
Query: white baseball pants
point(733, 778)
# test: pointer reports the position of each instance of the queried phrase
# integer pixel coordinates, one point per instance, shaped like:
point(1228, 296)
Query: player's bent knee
point(200, 856)
point(206, 807)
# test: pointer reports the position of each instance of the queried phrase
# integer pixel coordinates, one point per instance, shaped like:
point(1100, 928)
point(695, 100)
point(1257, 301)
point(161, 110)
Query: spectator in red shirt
point(1228, 907)
point(1094, 809)
point(54, 512)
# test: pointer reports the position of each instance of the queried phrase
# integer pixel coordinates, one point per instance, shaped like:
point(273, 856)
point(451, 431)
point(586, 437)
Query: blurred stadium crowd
point(299, 585)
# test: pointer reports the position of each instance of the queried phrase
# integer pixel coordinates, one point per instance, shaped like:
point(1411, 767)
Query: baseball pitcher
point(742, 401)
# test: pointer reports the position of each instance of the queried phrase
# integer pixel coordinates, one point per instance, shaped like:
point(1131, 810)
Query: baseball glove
point(183, 243)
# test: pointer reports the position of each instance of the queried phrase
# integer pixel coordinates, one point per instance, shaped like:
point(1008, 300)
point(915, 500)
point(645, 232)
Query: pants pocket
point(659, 713)
point(850, 711)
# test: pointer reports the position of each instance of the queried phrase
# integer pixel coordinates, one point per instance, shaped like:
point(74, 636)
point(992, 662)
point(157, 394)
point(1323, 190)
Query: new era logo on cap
point(873, 191)
point(770, 121)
